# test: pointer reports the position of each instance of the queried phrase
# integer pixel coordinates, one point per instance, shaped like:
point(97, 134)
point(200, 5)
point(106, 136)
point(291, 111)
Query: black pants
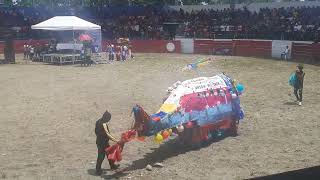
point(31, 56)
point(111, 57)
point(101, 156)
point(298, 93)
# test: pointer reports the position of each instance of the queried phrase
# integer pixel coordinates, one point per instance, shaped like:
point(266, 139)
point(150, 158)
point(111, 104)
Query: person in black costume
point(103, 136)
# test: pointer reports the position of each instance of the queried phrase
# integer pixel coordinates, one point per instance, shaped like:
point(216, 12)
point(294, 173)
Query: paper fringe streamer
point(199, 63)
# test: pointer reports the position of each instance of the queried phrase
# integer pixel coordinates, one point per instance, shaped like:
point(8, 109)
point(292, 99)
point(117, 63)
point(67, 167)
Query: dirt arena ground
point(48, 113)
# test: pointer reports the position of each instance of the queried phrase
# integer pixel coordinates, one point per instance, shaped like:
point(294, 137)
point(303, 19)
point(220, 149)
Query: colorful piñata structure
point(196, 110)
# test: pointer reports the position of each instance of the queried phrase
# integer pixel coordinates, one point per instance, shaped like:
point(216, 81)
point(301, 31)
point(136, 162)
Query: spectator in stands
point(279, 23)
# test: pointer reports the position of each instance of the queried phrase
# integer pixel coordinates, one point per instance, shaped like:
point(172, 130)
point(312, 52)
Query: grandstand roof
point(60, 23)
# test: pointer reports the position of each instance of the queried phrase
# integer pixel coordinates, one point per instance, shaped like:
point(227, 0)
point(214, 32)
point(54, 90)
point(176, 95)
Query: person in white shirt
point(25, 51)
point(285, 53)
point(96, 49)
point(31, 52)
point(111, 53)
point(125, 52)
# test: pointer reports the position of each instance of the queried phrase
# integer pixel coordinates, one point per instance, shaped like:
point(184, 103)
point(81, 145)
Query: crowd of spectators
point(302, 23)
point(291, 23)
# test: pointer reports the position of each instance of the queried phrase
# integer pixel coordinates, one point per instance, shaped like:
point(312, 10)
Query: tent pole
point(73, 58)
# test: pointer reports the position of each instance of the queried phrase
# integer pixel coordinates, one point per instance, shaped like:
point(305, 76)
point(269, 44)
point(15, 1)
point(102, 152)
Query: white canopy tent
point(69, 23)
point(64, 23)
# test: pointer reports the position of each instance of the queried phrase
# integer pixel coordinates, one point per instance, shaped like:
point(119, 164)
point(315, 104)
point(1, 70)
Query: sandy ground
point(48, 112)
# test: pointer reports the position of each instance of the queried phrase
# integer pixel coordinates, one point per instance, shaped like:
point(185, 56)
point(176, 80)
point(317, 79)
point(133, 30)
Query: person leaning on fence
point(285, 53)
point(103, 136)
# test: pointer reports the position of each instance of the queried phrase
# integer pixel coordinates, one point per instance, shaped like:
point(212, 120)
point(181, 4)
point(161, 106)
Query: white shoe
point(300, 103)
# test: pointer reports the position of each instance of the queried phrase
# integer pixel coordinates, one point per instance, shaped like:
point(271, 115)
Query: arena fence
point(1, 47)
point(152, 46)
point(304, 51)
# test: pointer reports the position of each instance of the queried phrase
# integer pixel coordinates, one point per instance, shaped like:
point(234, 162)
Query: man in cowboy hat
point(103, 136)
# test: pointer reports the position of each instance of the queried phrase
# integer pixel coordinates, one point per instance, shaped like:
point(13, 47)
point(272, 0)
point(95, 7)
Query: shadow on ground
point(290, 103)
point(167, 150)
point(107, 174)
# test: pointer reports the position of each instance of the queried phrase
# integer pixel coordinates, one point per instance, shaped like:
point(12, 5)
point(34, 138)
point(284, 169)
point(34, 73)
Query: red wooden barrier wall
point(211, 46)
point(304, 51)
point(203, 46)
point(154, 46)
point(1, 47)
point(235, 47)
point(139, 46)
point(18, 44)
point(253, 48)
point(301, 51)
point(150, 46)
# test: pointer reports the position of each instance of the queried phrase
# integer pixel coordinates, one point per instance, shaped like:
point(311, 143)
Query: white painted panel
point(278, 48)
point(187, 46)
